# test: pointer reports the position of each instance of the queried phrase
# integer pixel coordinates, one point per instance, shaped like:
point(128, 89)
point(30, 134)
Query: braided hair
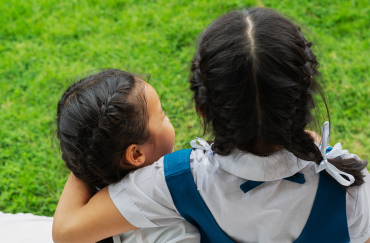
point(98, 117)
point(253, 78)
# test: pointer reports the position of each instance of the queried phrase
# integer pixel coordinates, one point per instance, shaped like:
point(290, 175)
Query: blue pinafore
point(327, 221)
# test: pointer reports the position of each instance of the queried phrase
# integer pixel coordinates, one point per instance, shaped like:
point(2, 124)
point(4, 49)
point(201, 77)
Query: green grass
point(44, 45)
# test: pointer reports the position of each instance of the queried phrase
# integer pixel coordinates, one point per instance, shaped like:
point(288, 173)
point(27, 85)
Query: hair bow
point(335, 152)
point(206, 162)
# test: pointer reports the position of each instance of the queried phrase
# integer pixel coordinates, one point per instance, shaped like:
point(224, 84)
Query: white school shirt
point(180, 232)
point(275, 211)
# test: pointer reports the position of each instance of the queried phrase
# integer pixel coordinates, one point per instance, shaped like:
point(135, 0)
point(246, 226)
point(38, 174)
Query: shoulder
point(358, 207)
point(146, 173)
point(151, 174)
point(358, 210)
point(357, 202)
point(143, 198)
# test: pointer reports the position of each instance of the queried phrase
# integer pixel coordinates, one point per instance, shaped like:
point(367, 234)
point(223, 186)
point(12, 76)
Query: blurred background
point(46, 44)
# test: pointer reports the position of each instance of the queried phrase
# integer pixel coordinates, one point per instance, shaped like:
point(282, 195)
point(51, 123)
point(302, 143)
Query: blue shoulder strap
point(328, 218)
point(327, 221)
point(186, 197)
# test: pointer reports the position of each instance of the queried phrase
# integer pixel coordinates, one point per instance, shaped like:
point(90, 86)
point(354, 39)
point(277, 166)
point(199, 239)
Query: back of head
point(98, 117)
point(253, 78)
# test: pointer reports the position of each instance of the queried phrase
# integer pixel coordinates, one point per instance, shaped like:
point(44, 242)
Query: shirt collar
point(249, 166)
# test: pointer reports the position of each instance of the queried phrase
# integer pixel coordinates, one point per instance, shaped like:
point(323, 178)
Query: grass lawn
point(46, 44)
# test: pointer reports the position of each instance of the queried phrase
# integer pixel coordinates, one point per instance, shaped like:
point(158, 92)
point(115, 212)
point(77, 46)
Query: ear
point(135, 155)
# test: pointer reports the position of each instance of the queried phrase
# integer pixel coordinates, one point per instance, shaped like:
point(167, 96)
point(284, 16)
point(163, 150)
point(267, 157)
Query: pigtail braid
point(197, 85)
point(303, 145)
point(208, 104)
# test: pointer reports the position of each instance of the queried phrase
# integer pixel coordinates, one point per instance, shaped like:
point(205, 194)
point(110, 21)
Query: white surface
point(275, 211)
point(21, 228)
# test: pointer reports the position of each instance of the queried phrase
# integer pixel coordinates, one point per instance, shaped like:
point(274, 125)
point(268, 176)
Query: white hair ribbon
point(206, 163)
point(335, 152)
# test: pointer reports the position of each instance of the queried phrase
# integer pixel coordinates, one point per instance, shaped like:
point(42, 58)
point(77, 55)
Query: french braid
point(97, 119)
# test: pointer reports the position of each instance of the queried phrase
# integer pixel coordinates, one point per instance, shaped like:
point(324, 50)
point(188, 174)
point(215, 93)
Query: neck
point(264, 148)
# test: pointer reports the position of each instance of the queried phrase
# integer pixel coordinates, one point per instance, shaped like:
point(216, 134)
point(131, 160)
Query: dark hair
point(98, 117)
point(253, 78)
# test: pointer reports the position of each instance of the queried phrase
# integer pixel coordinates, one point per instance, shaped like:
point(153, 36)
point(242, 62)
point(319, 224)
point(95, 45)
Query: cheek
point(173, 137)
point(164, 139)
point(170, 138)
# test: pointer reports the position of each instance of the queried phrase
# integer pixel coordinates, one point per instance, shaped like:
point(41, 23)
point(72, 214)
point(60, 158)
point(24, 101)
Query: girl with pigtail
point(264, 178)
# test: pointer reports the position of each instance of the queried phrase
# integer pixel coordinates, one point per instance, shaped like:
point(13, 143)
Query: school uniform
point(250, 198)
point(180, 232)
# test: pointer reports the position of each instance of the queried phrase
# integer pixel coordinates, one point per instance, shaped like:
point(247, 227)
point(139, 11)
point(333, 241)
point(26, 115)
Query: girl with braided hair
point(265, 178)
point(108, 124)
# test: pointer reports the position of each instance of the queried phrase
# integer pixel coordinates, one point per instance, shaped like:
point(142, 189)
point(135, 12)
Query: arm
point(80, 218)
